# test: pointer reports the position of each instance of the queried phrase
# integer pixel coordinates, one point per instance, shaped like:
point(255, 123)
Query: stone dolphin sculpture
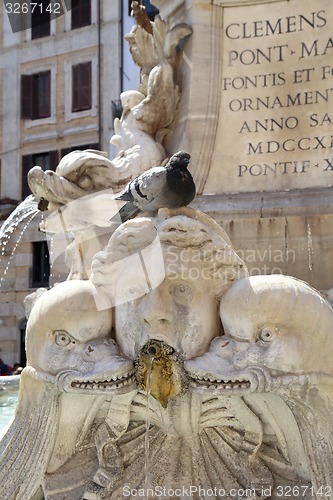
point(73, 364)
point(276, 355)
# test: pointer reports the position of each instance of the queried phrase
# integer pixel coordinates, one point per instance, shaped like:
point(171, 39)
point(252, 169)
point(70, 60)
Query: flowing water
point(8, 398)
point(25, 211)
point(147, 459)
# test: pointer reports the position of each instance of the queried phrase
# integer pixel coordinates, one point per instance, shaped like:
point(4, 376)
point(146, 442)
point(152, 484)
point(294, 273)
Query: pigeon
point(171, 186)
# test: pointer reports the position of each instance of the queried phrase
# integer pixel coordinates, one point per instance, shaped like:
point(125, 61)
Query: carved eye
point(182, 292)
point(266, 334)
point(133, 292)
point(63, 339)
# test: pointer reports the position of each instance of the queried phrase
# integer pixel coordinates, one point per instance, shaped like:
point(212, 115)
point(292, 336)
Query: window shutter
point(81, 87)
point(26, 166)
point(54, 159)
point(65, 152)
point(75, 88)
point(26, 96)
point(40, 264)
point(81, 13)
point(41, 21)
point(42, 95)
point(85, 87)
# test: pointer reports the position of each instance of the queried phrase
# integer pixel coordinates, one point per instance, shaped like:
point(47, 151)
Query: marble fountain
point(161, 368)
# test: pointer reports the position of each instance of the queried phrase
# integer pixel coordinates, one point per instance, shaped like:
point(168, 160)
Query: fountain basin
point(9, 387)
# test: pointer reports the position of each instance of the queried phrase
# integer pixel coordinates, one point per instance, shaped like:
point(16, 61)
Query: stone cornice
point(304, 202)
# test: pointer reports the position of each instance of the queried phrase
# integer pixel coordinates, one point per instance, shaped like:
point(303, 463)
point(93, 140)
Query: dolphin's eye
point(131, 292)
point(62, 338)
point(266, 334)
point(182, 293)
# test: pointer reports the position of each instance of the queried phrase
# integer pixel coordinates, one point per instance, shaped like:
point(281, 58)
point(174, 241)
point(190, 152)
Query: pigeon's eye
point(182, 293)
point(267, 334)
point(63, 338)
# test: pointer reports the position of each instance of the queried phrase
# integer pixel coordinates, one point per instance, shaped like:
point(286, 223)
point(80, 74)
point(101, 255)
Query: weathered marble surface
point(238, 369)
point(253, 355)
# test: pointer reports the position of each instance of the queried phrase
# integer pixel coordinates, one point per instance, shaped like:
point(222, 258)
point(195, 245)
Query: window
point(65, 151)
point(40, 273)
point(40, 21)
point(81, 87)
point(23, 327)
point(81, 13)
point(47, 161)
point(36, 95)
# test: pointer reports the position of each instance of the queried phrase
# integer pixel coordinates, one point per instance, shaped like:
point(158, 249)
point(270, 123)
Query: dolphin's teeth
point(219, 383)
point(113, 381)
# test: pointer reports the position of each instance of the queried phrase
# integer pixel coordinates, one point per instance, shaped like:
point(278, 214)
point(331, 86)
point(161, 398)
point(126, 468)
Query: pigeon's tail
point(128, 211)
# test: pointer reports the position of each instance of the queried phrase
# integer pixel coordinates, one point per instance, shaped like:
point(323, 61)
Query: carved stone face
point(182, 311)
point(277, 322)
point(67, 335)
point(274, 326)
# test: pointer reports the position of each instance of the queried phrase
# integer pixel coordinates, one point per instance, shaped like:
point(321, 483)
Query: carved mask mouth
point(159, 371)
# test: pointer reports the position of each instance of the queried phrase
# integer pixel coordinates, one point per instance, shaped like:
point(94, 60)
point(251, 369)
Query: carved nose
point(157, 308)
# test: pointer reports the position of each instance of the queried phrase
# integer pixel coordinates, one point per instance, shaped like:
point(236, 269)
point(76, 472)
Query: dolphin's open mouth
point(252, 379)
point(111, 382)
point(69, 381)
point(225, 384)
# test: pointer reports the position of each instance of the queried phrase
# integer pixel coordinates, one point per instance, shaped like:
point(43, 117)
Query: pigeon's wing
point(128, 211)
point(126, 193)
point(150, 184)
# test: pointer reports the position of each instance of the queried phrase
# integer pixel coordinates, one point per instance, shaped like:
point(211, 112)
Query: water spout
point(148, 406)
point(160, 367)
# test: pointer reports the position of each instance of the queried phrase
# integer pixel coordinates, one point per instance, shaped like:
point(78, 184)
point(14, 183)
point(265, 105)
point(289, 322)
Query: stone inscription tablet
point(275, 127)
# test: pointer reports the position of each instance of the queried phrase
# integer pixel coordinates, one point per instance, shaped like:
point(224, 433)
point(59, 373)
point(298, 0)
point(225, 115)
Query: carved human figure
point(166, 277)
